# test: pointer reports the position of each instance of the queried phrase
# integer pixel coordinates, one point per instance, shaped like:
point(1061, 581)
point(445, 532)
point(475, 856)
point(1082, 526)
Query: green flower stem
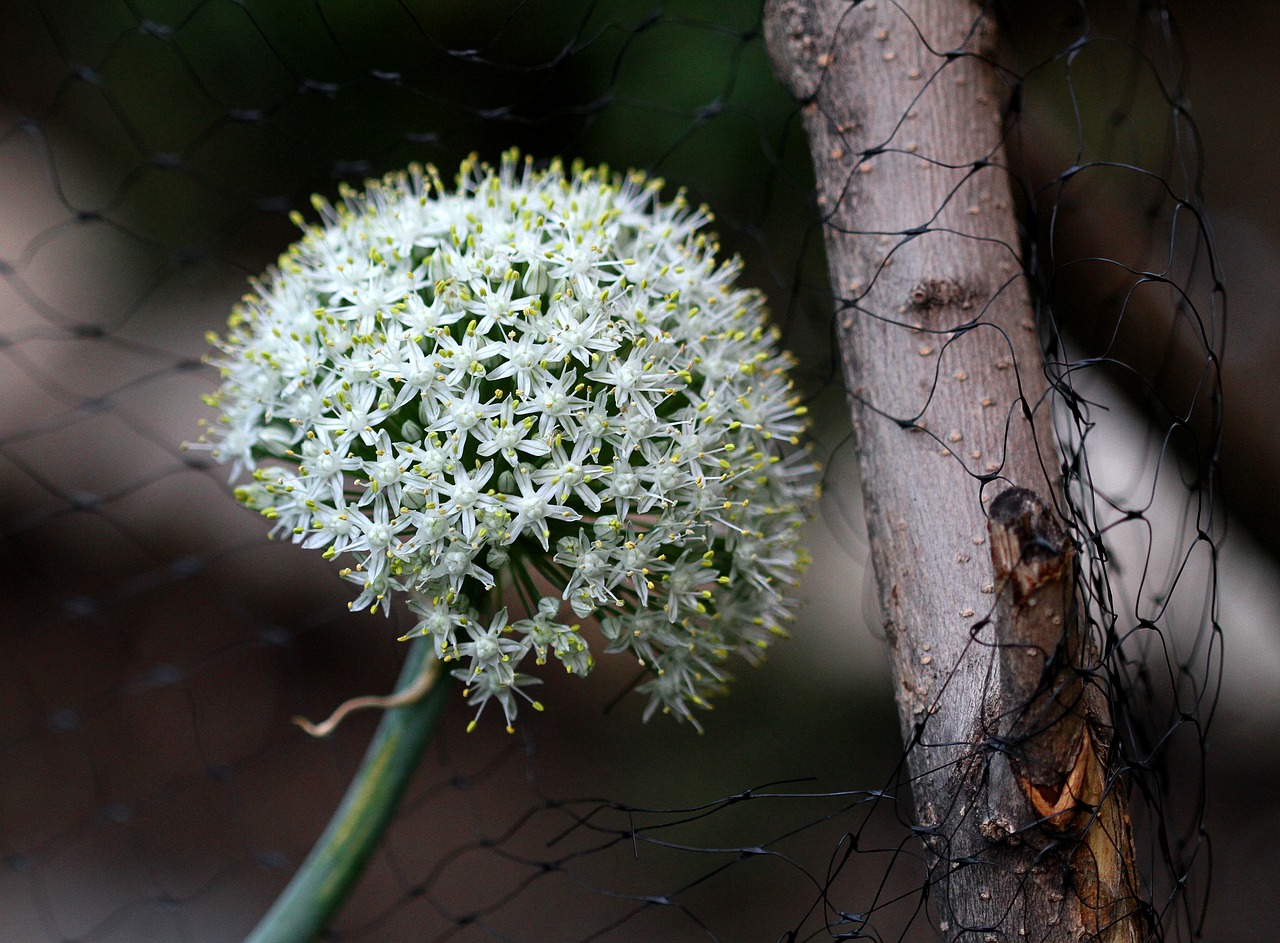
point(323, 882)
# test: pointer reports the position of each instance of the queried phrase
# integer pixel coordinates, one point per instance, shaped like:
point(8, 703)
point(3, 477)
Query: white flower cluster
point(539, 379)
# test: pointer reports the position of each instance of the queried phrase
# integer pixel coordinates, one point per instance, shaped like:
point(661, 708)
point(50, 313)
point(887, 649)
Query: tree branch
point(903, 108)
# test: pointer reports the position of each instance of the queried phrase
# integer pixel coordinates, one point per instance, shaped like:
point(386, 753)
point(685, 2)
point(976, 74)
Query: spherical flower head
point(537, 378)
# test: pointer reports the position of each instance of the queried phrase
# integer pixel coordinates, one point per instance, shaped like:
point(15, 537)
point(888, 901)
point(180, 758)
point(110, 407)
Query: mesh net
point(156, 645)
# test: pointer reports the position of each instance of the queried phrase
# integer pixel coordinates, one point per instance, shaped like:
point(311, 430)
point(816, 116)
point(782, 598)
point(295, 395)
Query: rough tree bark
point(1008, 738)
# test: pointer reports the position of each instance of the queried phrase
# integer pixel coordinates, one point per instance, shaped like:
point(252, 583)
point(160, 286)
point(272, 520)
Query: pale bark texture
point(1008, 741)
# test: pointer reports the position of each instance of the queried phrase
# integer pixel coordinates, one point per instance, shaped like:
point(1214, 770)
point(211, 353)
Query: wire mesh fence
point(156, 645)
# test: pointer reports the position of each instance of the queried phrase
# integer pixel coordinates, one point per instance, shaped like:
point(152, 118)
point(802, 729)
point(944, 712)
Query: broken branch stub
point(1054, 734)
point(1042, 691)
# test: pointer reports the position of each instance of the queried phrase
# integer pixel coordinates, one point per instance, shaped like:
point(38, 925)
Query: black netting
point(156, 645)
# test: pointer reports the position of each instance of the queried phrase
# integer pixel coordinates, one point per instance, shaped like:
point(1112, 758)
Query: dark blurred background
point(153, 645)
